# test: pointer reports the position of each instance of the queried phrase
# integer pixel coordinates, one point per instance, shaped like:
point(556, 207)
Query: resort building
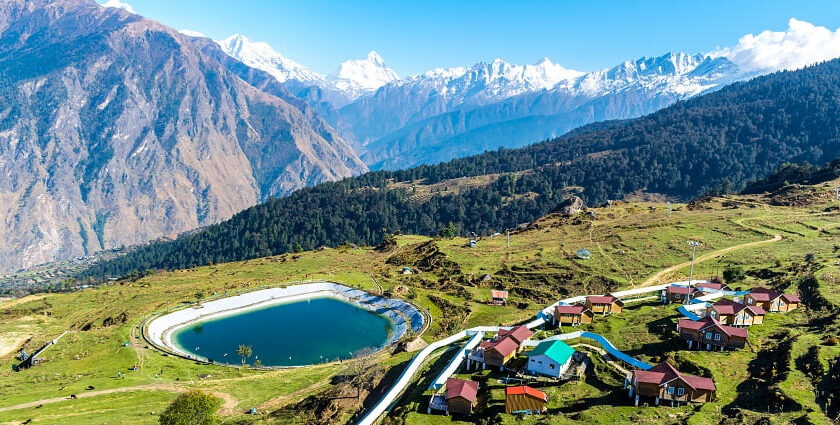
point(550, 358)
point(460, 396)
point(498, 297)
point(604, 304)
point(524, 399)
point(497, 353)
point(664, 382)
point(708, 333)
point(678, 294)
point(572, 314)
point(711, 286)
point(729, 312)
point(519, 334)
point(772, 301)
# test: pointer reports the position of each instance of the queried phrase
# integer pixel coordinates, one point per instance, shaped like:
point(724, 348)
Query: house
point(665, 382)
point(572, 314)
point(498, 297)
point(604, 304)
point(583, 254)
point(678, 294)
point(524, 399)
point(710, 334)
point(519, 334)
point(711, 286)
point(550, 358)
point(460, 396)
point(729, 312)
point(772, 301)
point(497, 353)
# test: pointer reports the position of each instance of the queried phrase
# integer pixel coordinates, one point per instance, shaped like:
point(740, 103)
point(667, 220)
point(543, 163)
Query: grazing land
point(788, 240)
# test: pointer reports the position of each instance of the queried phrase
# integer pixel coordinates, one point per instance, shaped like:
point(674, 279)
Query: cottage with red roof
point(604, 304)
point(771, 300)
point(524, 399)
point(733, 313)
point(572, 314)
point(497, 353)
point(498, 297)
point(461, 396)
point(710, 334)
point(678, 294)
point(665, 382)
point(520, 334)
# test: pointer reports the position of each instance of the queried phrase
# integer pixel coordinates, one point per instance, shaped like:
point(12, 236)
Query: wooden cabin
point(604, 304)
point(519, 334)
point(497, 353)
point(498, 297)
point(572, 314)
point(664, 382)
point(461, 396)
point(729, 312)
point(771, 300)
point(678, 294)
point(524, 399)
point(550, 358)
point(708, 333)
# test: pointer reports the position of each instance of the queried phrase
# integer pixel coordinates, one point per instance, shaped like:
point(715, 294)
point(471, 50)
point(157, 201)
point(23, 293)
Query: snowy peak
point(363, 75)
point(261, 56)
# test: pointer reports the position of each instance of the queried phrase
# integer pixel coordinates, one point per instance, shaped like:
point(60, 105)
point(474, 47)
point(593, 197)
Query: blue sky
point(414, 36)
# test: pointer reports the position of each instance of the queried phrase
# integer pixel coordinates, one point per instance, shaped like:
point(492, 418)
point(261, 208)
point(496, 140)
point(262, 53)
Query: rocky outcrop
point(116, 130)
point(570, 206)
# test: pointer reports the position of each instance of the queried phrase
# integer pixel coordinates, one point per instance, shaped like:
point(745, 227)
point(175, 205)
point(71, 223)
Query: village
point(713, 317)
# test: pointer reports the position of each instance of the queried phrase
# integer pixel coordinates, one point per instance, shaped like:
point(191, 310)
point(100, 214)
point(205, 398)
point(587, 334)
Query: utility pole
point(694, 245)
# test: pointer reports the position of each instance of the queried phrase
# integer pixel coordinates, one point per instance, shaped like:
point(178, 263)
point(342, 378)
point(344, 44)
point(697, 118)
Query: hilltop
point(630, 244)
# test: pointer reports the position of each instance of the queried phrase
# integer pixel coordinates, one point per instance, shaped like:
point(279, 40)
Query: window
point(713, 313)
point(681, 391)
point(708, 335)
point(749, 301)
point(671, 390)
point(532, 360)
point(551, 365)
point(717, 337)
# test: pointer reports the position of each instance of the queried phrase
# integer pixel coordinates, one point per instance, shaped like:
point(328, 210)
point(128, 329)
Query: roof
point(708, 322)
point(710, 285)
point(461, 388)
point(602, 299)
point(494, 293)
point(555, 350)
point(519, 333)
point(679, 289)
point(727, 306)
point(524, 389)
point(763, 294)
point(791, 298)
point(664, 372)
point(504, 346)
point(569, 309)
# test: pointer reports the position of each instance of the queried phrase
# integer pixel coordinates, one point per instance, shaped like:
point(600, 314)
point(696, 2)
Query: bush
point(192, 408)
point(733, 274)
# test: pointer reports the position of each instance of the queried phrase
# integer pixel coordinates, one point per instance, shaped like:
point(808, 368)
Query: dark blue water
point(294, 334)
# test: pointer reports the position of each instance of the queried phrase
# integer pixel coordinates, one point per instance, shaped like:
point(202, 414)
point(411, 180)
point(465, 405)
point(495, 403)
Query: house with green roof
point(550, 358)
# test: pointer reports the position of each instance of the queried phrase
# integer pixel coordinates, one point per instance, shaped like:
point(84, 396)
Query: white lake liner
point(159, 330)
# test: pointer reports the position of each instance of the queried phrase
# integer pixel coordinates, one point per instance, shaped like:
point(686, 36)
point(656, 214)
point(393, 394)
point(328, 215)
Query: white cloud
point(800, 45)
point(192, 33)
point(119, 5)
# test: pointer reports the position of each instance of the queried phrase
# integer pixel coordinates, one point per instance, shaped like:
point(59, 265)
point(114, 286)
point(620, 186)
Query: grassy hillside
point(631, 243)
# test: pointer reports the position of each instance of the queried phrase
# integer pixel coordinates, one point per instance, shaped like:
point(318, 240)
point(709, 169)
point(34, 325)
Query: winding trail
point(657, 278)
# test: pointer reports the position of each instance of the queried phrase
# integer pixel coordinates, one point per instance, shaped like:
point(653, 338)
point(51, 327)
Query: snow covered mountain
point(444, 113)
point(362, 76)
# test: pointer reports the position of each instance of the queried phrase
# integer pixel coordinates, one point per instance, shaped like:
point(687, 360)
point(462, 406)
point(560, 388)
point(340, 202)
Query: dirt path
point(658, 277)
point(607, 358)
point(228, 406)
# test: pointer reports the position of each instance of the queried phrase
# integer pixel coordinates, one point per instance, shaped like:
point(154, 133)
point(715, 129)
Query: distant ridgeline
point(794, 174)
point(723, 139)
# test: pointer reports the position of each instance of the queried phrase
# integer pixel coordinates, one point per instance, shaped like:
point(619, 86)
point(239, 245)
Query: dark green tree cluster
point(720, 140)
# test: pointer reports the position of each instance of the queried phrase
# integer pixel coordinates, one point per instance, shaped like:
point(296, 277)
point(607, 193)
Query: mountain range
point(447, 113)
point(117, 130)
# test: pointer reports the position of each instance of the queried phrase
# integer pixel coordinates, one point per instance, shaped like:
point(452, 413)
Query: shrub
point(192, 408)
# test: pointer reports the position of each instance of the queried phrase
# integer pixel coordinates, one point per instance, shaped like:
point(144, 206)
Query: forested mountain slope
point(723, 139)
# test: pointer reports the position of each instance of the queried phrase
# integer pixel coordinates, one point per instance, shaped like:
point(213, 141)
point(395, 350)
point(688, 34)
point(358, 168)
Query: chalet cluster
point(664, 382)
point(585, 313)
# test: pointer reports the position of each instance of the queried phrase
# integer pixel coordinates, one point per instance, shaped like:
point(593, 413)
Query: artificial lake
point(297, 333)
